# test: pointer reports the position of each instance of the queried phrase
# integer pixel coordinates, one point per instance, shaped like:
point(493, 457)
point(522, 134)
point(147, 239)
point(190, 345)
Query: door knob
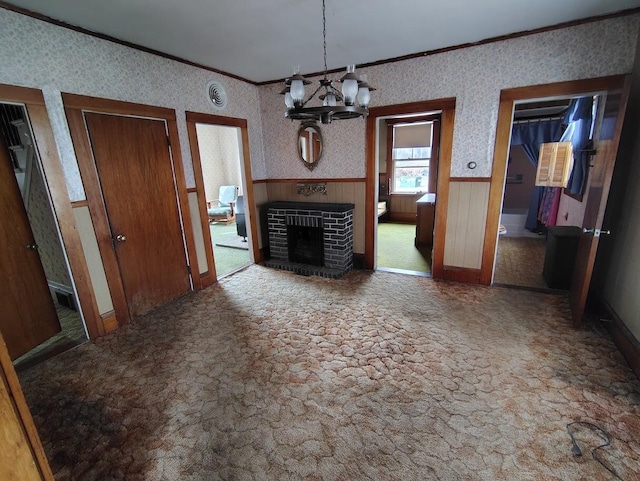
point(32, 247)
point(121, 238)
point(587, 231)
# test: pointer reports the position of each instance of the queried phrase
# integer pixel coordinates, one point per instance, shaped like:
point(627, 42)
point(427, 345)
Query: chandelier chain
point(324, 37)
point(353, 90)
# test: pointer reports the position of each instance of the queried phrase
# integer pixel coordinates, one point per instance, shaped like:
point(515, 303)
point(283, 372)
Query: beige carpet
point(520, 261)
point(376, 376)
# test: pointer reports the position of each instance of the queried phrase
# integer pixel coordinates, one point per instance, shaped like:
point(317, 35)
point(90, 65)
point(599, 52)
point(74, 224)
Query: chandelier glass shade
point(351, 102)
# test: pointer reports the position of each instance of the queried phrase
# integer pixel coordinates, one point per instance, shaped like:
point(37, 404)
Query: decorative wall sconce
point(308, 189)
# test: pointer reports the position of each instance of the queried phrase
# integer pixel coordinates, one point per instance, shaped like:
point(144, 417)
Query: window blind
point(412, 135)
point(554, 164)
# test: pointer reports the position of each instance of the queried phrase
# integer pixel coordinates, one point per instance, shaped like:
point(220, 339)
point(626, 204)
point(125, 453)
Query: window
point(411, 157)
point(411, 169)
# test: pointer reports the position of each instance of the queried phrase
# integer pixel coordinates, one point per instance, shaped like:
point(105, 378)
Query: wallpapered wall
point(220, 158)
point(55, 59)
point(43, 225)
point(622, 251)
point(473, 75)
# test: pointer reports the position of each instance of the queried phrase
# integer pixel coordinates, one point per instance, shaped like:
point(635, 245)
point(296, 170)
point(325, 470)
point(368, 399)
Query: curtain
point(578, 118)
point(530, 135)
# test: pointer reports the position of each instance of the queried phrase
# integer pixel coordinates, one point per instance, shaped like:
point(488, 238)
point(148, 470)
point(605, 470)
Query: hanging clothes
point(530, 135)
point(548, 212)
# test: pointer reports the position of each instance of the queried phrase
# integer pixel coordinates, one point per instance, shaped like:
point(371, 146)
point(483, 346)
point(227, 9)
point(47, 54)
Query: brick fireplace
point(311, 238)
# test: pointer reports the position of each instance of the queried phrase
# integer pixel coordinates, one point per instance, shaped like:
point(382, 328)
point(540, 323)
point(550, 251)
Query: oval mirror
point(309, 144)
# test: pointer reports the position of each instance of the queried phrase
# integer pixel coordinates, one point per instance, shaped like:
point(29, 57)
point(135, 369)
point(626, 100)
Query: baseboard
point(109, 321)
point(60, 287)
point(461, 274)
point(206, 280)
point(623, 338)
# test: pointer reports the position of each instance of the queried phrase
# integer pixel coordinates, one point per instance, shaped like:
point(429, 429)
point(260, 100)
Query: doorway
point(408, 157)
point(132, 159)
point(42, 317)
point(403, 189)
point(223, 193)
point(606, 137)
point(220, 157)
point(535, 219)
point(129, 159)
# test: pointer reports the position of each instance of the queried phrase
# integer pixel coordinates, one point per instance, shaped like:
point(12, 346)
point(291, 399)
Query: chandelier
point(354, 93)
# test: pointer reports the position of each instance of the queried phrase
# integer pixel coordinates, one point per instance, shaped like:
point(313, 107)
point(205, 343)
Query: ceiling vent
point(217, 95)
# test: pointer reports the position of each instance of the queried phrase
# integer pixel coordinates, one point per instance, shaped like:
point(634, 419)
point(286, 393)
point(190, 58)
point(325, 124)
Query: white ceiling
point(260, 40)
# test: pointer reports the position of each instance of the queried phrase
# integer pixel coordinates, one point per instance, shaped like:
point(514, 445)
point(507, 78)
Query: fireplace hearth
point(311, 238)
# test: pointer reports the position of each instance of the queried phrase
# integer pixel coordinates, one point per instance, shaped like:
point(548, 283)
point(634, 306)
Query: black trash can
point(241, 223)
point(560, 255)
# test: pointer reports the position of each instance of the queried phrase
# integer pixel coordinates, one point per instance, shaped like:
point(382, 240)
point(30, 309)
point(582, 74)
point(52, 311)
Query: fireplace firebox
point(305, 244)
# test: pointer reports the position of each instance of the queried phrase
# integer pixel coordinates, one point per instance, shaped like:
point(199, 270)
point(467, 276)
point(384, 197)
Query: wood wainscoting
point(466, 221)
point(403, 207)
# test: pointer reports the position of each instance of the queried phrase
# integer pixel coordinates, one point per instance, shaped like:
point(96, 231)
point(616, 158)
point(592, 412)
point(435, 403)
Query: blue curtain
point(530, 135)
point(579, 114)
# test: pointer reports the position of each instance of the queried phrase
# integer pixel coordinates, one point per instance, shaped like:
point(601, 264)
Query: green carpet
point(396, 249)
point(227, 259)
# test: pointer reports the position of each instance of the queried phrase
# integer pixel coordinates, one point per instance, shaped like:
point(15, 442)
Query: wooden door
point(21, 454)
point(16, 460)
point(136, 176)
point(28, 316)
point(607, 135)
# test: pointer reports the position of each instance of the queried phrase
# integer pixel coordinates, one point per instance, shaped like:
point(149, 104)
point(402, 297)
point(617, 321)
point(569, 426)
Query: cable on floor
point(602, 434)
